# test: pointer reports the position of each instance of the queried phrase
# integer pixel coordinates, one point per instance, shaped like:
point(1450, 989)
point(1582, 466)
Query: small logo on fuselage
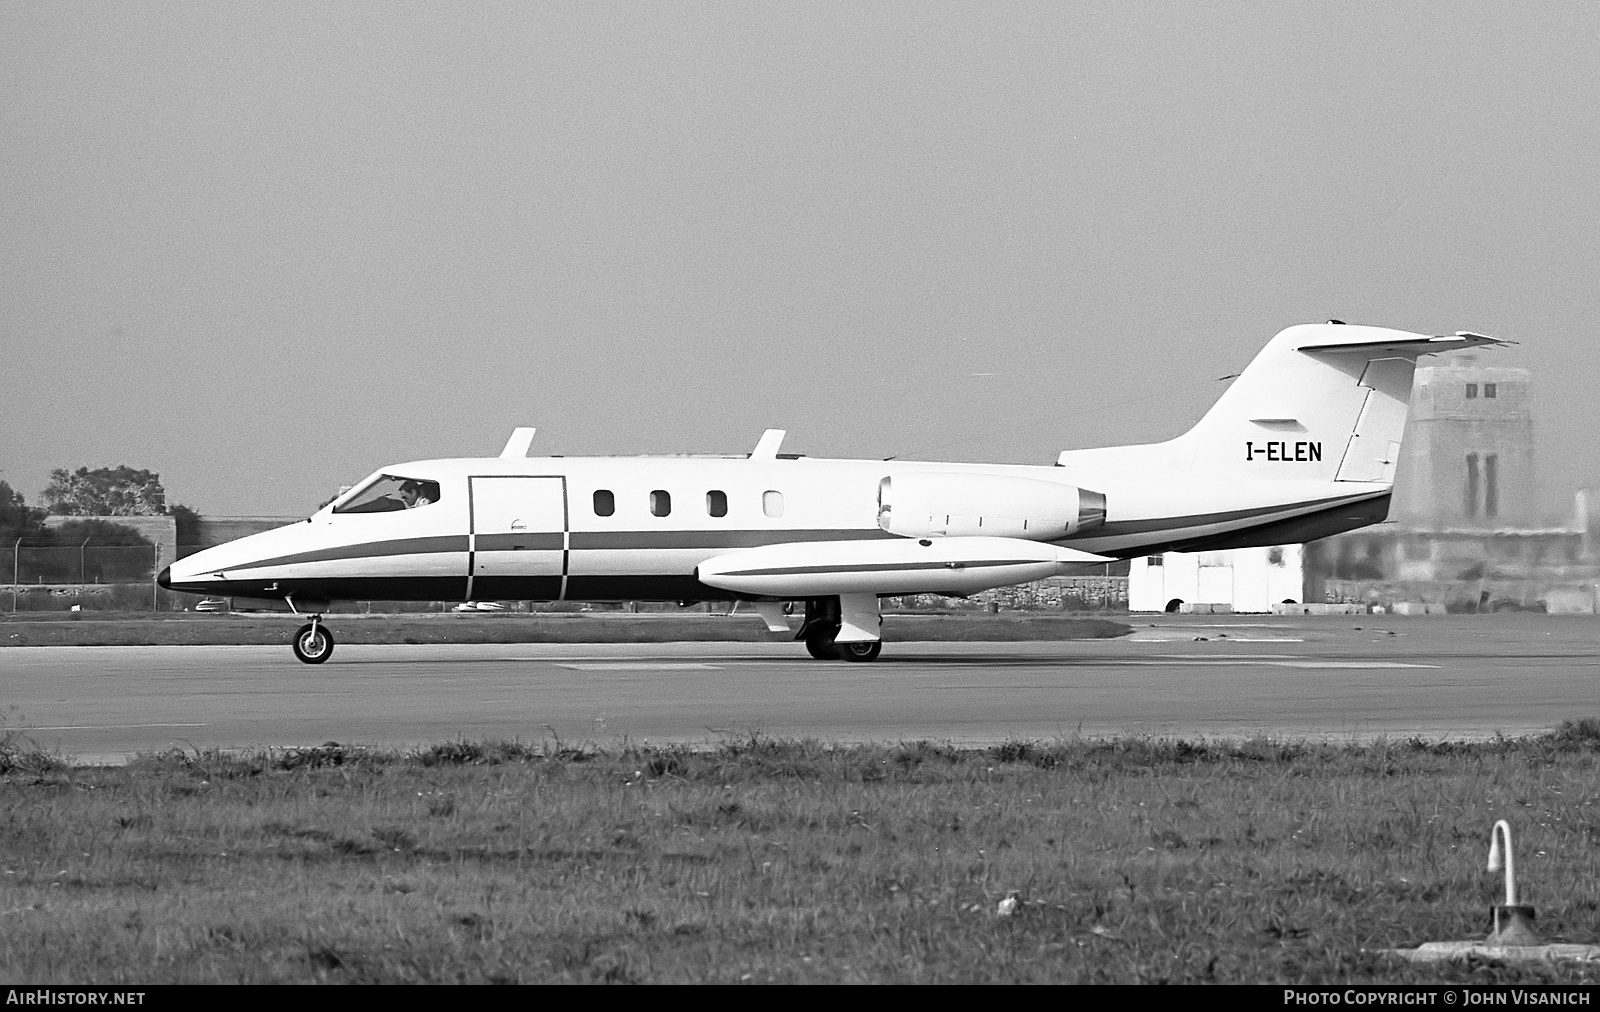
point(1283, 451)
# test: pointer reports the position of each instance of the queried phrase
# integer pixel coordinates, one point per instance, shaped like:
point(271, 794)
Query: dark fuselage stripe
point(580, 540)
point(520, 542)
point(1121, 528)
point(623, 541)
point(371, 549)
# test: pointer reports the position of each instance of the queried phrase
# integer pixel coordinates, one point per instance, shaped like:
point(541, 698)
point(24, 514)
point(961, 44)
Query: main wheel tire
point(822, 649)
point(860, 651)
point(313, 643)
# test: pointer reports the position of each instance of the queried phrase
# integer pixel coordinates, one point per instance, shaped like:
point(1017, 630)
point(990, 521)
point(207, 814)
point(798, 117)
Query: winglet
point(521, 439)
point(767, 445)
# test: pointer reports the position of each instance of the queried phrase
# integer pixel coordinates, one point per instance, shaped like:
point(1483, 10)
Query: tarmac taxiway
point(1347, 676)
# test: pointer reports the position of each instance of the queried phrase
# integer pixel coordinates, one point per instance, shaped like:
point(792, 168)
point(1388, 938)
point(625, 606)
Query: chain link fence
point(90, 576)
point(83, 564)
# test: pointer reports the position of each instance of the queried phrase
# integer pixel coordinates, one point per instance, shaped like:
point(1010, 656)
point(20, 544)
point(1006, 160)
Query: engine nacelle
point(954, 504)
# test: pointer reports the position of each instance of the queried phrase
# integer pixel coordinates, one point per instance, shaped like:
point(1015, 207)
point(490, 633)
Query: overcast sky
point(265, 249)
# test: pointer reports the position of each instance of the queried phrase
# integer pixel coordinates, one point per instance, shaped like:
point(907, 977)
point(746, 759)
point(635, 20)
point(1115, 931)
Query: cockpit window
point(391, 492)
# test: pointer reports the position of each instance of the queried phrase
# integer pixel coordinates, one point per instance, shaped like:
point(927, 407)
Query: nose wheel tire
point(859, 651)
point(313, 643)
point(822, 648)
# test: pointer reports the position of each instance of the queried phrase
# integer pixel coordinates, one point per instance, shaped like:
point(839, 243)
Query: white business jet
point(1302, 445)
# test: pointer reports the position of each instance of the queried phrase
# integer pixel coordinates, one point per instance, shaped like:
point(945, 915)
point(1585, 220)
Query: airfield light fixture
point(1511, 923)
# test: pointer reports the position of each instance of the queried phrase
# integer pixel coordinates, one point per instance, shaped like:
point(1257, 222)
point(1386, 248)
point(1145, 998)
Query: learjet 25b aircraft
point(1302, 445)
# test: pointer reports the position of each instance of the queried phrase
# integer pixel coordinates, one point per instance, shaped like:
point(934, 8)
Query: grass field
point(37, 629)
point(1136, 860)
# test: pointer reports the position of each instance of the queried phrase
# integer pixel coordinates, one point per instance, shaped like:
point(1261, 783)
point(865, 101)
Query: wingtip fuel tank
point(959, 566)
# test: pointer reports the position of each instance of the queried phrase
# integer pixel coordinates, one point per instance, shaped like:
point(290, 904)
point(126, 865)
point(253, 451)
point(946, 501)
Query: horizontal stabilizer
point(1393, 343)
point(898, 566)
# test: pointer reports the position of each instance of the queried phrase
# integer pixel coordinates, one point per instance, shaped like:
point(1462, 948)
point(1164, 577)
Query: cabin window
point(1156, 560)
point(717, 503)
point(605, 503)
point(1472, 391)
point(660, 503)
point(1489, 390)
point(772, 503)
point(388, 492)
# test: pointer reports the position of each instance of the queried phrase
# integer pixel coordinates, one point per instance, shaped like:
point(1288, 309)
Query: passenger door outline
point(518, 537)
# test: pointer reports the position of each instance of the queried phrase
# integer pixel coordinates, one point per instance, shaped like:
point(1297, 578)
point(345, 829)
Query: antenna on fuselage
point(521, 439)
point(767, 445)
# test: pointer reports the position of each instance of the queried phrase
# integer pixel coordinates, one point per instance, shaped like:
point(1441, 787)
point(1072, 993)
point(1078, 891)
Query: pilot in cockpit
point(391, 492)
point(413, 495)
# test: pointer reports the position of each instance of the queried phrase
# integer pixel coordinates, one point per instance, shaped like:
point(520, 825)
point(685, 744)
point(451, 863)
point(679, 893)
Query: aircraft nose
point(164, 580)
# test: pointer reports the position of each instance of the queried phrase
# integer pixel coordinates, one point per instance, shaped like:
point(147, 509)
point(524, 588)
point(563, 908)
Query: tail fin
point(1321, 402)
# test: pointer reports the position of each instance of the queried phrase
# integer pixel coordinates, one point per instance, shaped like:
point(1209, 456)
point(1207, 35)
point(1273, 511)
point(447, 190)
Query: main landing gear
point(827, 617)
point(859, 651)
point(313, 643)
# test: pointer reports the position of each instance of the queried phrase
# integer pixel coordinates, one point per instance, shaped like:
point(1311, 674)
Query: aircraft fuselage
point(637, 528)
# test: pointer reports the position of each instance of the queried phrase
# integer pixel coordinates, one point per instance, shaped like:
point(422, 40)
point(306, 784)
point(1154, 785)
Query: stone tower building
point(1467, 459)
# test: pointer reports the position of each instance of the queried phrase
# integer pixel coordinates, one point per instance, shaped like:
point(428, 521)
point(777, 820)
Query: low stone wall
point(1554, 595)
point(1319, 609)
point(1059, 593)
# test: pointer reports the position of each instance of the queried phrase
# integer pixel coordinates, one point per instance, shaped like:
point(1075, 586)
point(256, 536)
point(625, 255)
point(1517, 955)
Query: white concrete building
point(1241, 580)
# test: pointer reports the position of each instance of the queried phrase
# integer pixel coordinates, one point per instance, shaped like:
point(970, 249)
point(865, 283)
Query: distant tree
point(105, 533)
point(16, 519)
point(108, 553)
point(188, 524)
point(105, 492)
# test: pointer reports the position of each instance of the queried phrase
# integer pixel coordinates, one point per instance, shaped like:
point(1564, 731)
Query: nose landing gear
point(313, 643)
